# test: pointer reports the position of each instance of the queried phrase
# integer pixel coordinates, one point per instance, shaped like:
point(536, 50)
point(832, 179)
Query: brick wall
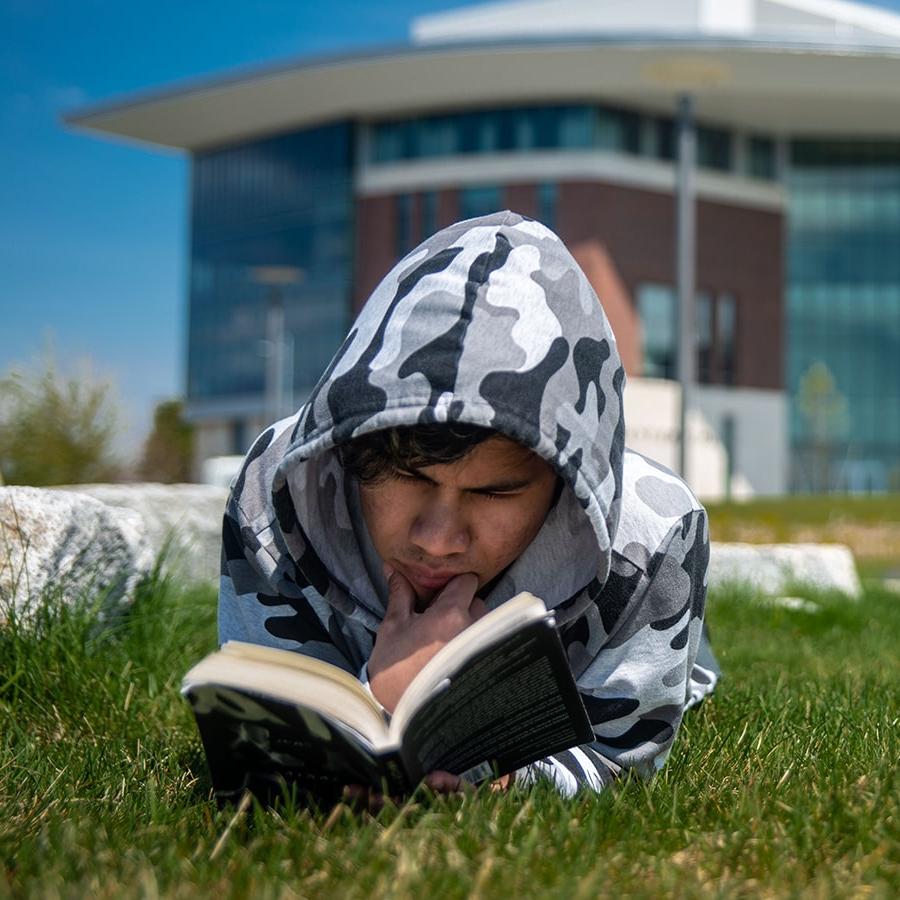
point(740, 251)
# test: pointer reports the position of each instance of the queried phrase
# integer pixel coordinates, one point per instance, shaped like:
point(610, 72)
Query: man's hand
point(406, 639)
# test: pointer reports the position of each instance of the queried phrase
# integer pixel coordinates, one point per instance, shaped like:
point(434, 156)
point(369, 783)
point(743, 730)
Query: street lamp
point(278, 346)
point(686, 76)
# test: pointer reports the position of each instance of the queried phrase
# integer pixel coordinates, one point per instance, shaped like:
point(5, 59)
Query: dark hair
point(380, 454)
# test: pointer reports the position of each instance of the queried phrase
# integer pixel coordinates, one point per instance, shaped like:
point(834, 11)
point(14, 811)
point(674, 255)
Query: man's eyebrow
point(501, 487)
point(494, 487)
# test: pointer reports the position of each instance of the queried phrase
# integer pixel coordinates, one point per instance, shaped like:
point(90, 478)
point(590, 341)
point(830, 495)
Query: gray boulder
point(775, 569)
point(58, 541)
point(102, 539)
point(185, 520)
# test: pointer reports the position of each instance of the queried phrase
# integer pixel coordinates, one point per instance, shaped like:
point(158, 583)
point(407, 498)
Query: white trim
point(566, 165)
point(540, 18)
point(840, 12)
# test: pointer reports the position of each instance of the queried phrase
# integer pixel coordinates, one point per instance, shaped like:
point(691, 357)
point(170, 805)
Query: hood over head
point(490, 322)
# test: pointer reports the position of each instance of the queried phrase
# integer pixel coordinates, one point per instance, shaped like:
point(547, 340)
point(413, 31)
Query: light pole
point(686, 76)
point(279, 341)
point(685, 261)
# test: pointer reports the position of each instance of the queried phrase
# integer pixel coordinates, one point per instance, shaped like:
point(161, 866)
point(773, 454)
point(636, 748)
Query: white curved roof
point(817, 20)
point(836, 76)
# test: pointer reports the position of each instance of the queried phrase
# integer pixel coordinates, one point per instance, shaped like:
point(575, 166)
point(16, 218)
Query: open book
point(498, 696)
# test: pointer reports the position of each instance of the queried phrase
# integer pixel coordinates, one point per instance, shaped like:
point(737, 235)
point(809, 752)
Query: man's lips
point(430, 579)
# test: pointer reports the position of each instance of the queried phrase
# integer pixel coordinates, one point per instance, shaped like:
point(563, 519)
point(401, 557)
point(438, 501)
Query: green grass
point(809, 509)
point(784, 784)
point(868, 525)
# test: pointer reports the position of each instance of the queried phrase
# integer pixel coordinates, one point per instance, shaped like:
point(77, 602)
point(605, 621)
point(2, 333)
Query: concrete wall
point(215, 438)
point(760, 445)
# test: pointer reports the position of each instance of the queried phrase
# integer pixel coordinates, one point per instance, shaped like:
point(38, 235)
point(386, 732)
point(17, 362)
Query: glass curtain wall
point(271, 223)
point(844, 316)
point(563, 127)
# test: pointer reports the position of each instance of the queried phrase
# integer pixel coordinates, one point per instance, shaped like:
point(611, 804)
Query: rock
point(797, 604)
point(106, 537)
point(774, 569)
point(183, 519)
point(53, 540)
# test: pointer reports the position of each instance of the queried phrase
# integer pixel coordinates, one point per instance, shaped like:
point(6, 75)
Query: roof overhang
point(793, 88)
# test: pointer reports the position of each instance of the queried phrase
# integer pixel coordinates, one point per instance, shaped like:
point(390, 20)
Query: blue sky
point(93, 236)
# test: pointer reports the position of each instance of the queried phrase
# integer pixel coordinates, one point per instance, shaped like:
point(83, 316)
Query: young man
point(467, 443)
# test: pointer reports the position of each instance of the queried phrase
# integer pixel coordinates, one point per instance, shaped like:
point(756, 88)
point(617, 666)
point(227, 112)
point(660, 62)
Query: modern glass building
point(271, 223)
point(843, 312)
point(310, 179)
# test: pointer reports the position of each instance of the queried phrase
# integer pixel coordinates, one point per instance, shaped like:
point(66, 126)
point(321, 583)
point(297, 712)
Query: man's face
point(474, 515)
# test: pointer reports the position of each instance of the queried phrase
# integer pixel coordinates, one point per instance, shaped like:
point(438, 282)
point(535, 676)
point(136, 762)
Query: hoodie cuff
point(364, 681)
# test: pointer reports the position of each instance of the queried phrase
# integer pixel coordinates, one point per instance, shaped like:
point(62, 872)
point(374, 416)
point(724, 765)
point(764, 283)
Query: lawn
point(868, 525)
point(784, 784)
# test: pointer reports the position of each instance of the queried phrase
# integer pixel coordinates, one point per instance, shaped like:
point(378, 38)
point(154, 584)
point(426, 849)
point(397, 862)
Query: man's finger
point(459, 591)
point(447, 783)
point(478, 608)
point(443, 782)
point(401, 596)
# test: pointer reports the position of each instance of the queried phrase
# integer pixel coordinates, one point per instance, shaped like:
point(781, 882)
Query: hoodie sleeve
point(638, 684)
point(263, 600)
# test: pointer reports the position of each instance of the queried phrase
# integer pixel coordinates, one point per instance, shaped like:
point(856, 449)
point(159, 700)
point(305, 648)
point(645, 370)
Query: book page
point(510, 704)
point(290, 678)
point(300, 662)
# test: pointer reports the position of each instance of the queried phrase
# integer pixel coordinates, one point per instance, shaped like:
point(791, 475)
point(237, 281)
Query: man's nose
point(440, 529)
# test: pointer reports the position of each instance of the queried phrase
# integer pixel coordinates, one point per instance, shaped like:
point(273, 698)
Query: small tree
point(169, 448)
point(824, 409)
point(55, 430)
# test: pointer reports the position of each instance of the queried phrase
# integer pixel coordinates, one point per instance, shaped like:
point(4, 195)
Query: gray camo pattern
point(489, 322)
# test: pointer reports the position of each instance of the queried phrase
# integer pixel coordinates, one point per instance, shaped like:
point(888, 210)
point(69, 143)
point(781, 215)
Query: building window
point(437, 136)
point(403, 223)
point(547, 196)
point(562, 127)
point(479, 132)
point(715, 334)
point(726, 327)
point(761, 158)
point(239, 437)
point(664, 145)
point(656, 309)
point(479, 201)
point(577, 127)
point(704, 316)
point(714, 149)
point(429, 207)
point(618, 130)
point(391, 141)
point(523, 129)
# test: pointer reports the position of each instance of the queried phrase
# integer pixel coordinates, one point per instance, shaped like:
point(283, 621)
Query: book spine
point(397, 779)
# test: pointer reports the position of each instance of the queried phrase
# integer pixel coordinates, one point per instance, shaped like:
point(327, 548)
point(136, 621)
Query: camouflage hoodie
point(490, 322)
